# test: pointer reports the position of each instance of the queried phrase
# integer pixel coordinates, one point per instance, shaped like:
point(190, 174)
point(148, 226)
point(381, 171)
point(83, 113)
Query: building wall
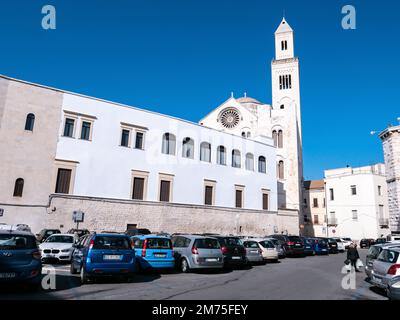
point(113, 215)
point(27, 154)
point(311, 228)
point(104, 167)
point(391, 150)
point(366, 202)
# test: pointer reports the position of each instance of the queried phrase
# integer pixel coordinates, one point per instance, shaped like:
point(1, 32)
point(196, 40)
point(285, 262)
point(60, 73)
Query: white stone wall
point(114, 215)
point(391, 149)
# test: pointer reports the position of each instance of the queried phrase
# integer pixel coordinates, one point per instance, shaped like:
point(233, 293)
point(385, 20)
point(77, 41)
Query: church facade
point(238, 171)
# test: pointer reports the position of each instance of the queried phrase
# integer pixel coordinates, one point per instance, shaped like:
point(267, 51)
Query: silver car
point(279, 247)
point(373, 253)
point(197, 252)
point(385, 268)
point(393, 291)
point(253, 251)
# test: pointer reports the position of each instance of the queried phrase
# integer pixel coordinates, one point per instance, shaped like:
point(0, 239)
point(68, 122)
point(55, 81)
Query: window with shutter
point(239, 194)
point(165, 190)
point(18, 187)
point(63, 180)
point(265, 201)
point(208, 195)
point(138, 188)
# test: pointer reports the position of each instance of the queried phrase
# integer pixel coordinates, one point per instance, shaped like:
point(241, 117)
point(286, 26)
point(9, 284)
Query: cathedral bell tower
point(286, 119)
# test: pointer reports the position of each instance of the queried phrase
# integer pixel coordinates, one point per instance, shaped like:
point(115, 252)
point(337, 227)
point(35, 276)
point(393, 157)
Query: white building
point(123, 165)
point(391, 148)
point(251, 118)
point(356, 200)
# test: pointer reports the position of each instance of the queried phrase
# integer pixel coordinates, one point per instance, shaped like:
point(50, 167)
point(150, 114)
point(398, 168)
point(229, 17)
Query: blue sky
point(184, 57)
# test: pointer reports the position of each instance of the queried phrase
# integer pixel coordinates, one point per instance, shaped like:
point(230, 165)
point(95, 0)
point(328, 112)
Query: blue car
point(309, 247)
point(154, 252)
point(98, 255)
point(321, 246)
point(20, 259)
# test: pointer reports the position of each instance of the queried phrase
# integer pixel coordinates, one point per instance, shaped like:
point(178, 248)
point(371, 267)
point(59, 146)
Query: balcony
point(384, 223)
point(332, 222)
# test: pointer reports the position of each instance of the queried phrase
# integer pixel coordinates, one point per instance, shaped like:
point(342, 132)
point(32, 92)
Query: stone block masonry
point(113, 215)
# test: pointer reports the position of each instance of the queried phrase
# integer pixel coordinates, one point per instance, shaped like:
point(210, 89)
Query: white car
point(385, 268)
point(347, 242)
point(340, 244)
point(58, 247)
point(268, 249)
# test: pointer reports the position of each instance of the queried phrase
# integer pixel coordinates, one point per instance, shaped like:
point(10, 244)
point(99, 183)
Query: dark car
point(293, 245)
point(79, 232)
point(137, 232)
point(332, 245)
point(366, 243)
point(320, 246)
point(20, 259)
point(98, 255)
point(233, 250)
point(380, 241)
point(308, 246)
point(45, 233)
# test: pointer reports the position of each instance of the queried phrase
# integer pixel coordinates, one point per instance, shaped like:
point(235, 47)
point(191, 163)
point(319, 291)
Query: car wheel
point(72, 269)
point(84, 276)
point(185, 266)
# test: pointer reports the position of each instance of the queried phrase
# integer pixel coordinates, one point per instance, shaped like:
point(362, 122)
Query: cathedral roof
point(284, 27)
point(248, 100)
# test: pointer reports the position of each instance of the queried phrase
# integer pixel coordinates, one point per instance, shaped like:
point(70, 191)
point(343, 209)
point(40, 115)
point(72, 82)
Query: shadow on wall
point(281, 196)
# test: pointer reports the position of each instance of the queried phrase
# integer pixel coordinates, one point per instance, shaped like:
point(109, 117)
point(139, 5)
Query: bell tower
point(286, 119)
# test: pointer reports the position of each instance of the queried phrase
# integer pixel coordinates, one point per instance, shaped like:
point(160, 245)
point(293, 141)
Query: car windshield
point(110, 242)
point(250, 244)
point(274, 241)
point(346, 239)
point(373, 252)
point(294, 238)
point(230, 242)
point(158, 243)
point(388, 256)
point(321, 241)
point(16, 242)
point(60, 239)
point(207, 243)
point(267, 244)
point(337, 240)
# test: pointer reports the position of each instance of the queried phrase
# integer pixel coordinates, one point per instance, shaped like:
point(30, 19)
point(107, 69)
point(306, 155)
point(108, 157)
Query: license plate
point(112, 257)
point(377, 280)
point(211, 259)
point(160, 255)
point(254, 251)
point(298, 245)
point(235, 258)
point(7, 275)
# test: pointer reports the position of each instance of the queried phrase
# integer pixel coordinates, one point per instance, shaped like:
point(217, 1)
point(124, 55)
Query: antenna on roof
point(245, 94)
point(231, 94)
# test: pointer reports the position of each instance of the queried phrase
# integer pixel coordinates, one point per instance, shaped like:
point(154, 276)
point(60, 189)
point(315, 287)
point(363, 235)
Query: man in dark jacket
point(353, 256)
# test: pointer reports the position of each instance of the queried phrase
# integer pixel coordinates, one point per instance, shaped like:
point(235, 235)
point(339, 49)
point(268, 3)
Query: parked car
point(309, 249)
point(45, 233)
point(385, 268)
point(58, 247)
point(268, 250)
point(340, 244)
point(373, 253)
point(253, 251)
point(279, 247)
point(320, 246)
point(197, 252)
point(233, 251)
point(15, 227)
point(347, 242)
point(381, 240)
point(393, 291)
point(20, 258)
point(79, 232)
point(292, 244)
point(332, 245)
point(136, 232)
point(153, 251)
point(366, 243)
point(98, 255)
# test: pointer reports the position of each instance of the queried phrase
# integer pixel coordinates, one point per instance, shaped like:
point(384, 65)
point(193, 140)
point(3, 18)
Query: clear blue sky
point(184, 57)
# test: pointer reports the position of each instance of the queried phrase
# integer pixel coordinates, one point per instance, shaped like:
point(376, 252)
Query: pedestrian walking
point(353, 256)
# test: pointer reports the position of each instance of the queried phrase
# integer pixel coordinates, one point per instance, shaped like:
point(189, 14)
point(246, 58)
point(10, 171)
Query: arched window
point(275, 138)
point(282, 106)
point(249, 162)
point(280, 170)
point(236, 161)
point(280, 139)
point(30, 121)
point(168, 143)
point(205, 152)
point(188, 148)
point(244, 134)
point(248, 135)
point(19, 187)
point(262, 164)
point(221, 155)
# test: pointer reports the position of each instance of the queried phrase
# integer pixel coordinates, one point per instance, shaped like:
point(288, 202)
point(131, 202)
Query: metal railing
point(384, 222)
point(332, 222)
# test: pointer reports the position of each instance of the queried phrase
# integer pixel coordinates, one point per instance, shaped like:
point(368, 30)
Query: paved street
point(293, 278)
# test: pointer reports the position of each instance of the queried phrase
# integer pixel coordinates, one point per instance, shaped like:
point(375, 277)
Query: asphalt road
point(311, 278)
